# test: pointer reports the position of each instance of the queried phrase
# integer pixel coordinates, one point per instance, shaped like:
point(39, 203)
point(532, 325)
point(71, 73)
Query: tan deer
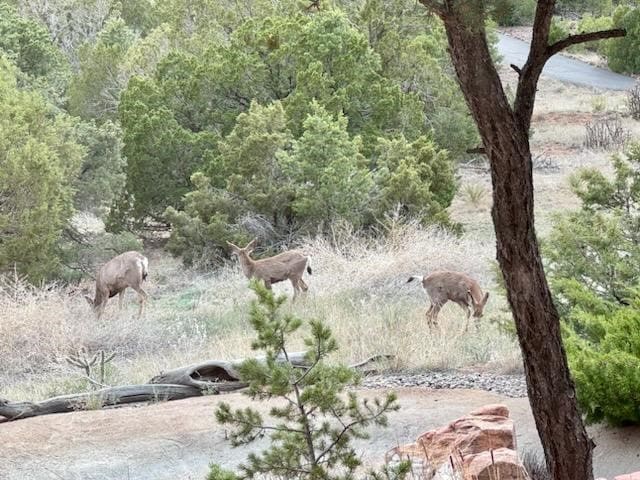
point(129, 269)
point(284, 266)
point(444, 286)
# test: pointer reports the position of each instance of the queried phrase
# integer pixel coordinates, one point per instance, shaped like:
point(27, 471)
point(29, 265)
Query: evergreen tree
point(316, 420)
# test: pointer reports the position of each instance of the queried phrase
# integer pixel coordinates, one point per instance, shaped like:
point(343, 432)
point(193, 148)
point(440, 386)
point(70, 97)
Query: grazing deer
point(284, 266)
point(129, 269)
point(460, 288)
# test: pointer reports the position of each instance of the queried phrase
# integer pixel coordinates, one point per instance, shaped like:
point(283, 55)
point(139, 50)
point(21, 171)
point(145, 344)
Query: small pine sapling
point(316, 420)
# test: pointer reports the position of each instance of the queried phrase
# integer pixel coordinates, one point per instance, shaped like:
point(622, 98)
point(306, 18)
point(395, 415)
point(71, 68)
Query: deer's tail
point(144, 264)
point(415, 277)
point(309, 264)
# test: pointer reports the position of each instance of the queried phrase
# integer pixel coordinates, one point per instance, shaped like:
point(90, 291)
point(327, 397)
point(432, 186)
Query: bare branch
point(584, 37)
point(477, 150)
point(516, 68)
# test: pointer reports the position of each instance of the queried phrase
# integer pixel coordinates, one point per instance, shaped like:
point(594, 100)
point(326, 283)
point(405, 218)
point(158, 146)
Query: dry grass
point(358, 287)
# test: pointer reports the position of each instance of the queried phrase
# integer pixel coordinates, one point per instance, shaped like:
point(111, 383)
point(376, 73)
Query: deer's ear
point(484, 300)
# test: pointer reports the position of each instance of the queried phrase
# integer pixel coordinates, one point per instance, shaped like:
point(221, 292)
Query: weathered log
point(99, 398)
point(223, 376)
point(213, 376)
point(216, 375)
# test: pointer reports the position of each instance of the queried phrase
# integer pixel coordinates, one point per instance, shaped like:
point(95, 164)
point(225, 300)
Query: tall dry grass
point(358, 287)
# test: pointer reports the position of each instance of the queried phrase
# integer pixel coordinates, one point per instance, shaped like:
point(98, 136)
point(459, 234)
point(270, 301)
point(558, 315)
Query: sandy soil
point(177, 440)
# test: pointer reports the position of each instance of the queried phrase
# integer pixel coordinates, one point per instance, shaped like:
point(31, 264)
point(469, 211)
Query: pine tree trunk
point(504, 133)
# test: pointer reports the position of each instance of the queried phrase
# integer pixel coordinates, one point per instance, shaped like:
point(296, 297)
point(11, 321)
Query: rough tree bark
point(504, 132)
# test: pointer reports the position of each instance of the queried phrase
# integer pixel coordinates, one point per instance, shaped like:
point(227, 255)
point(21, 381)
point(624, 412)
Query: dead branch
point(210, 377)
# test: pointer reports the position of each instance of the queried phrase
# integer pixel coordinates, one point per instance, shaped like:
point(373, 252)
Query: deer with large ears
point(444, 286)
point(129, 269)
point(284, 266)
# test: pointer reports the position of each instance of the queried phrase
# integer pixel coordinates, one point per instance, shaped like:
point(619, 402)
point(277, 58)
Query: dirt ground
point(177, 440)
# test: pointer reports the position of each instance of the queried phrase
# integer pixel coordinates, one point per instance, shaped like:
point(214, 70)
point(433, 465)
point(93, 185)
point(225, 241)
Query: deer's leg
point(296, 287)
point(303, 285)
point(142, 297)
point(120, 299)
point(267, 284)
point(432, 314)
point(100, 309)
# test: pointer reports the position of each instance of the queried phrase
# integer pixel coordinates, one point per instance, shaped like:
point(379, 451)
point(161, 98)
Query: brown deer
point(284, 266)
point(444, 286)
point(129, 269)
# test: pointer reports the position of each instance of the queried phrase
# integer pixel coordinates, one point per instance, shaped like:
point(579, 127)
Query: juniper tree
point(315, 421)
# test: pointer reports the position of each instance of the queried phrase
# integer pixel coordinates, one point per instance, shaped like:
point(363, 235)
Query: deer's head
point(478, 306)
point(243, 252)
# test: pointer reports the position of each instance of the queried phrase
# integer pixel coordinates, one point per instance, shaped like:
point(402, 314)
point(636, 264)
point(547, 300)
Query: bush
point(265, 183)
point(589, 23)
point(316, 420)
point(513, 12)
point(592, 259)
point(623, 53)
point(604, 356)
point(633, 102)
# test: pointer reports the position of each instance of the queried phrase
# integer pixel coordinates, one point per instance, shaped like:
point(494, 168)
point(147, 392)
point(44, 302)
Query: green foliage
point(316, 420)
point(513, 12)
point(605, 362)
point(415, 176)
point(598, 245)
point(95, 91)
point(38, 162)
point(590, 23)
point(622, 53)
point(27, 43)
point(328, 171)
point(161, 154)
point(558, 30)
point(263, 182)
point(102, 175)
point(593, 257)
point(594, 7)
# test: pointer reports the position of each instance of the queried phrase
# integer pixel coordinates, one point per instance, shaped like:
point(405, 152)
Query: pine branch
point(583, 38)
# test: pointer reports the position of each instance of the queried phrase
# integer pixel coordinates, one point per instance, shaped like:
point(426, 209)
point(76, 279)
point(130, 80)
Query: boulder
point(502, 463)
point(479, 445)
point(487, 428)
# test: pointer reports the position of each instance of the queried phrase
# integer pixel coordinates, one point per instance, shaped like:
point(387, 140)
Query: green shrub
point(592, 258)
point(589, 23)
point(513, 12)
point(623, 54)
point(605, 362)
point(558, 30)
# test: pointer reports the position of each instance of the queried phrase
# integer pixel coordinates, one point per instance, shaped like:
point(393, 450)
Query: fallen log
point(210, 377)
point(90, 400)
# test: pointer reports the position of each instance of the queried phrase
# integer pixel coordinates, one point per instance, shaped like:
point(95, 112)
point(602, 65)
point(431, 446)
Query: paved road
point(564, 68)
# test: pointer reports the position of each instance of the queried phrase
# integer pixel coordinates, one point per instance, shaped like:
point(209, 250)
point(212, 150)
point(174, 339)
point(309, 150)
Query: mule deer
point(460, 288)
point(129, 269)
point(284, 266)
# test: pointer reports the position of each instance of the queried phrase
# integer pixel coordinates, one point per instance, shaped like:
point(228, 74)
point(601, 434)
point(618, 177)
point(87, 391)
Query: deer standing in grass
point(129, 269)
point(284, 266)
point(459, 288)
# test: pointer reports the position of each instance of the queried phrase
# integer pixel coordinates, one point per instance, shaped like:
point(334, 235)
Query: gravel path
point(513, 386)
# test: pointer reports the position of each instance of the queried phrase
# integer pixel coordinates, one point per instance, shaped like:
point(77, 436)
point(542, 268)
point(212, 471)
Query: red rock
point(502, 463)
point(469, 435)
point(628, 476)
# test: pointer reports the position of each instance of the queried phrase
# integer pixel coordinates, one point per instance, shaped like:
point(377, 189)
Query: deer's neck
point(247, 264)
